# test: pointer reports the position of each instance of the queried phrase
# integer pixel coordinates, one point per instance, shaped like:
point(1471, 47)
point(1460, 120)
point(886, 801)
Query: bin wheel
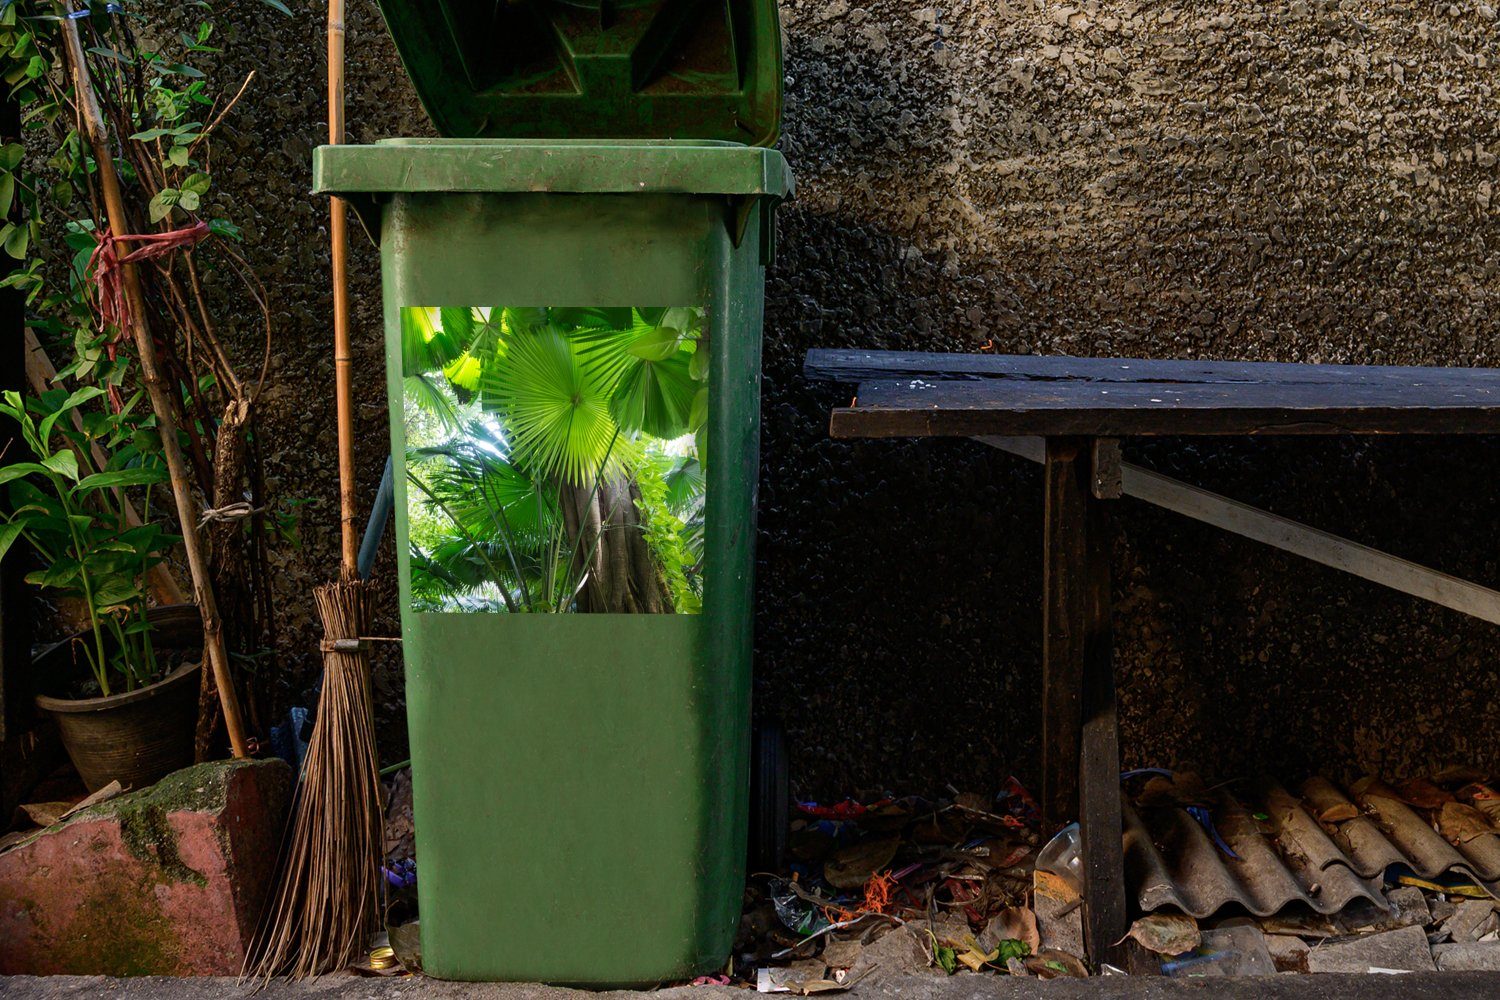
point(770, 794)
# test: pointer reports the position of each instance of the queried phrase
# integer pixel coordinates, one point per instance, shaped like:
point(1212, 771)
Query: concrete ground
point(1417, 986)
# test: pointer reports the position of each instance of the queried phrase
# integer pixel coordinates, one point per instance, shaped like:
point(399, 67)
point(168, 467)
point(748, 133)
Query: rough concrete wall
point(1301, 181)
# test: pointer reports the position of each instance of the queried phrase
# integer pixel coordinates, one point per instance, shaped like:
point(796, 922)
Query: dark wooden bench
point(1069, 414)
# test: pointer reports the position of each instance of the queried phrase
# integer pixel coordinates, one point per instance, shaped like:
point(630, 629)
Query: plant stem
point(101, 665)
point(161, 401)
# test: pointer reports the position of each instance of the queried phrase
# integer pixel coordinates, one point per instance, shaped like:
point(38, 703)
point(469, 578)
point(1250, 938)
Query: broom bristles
point(327, 898)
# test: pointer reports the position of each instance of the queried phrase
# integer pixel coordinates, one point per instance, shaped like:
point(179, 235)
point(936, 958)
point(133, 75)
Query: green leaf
point(1011, 948)
point(554, 405)
point(197, 183)
point(20, 469)
point(188, 201)
point(17, 240)
point(523, 320)
point(11, 155)
point(612, 317)
point(698, 417)
point(277, 5)
point(425, 345)
point(657, 344)
point(115, 592)
point(63, 463)
point(122, 477)
point(59, 574)
point(698, 367)
point(9, 532)
point(177, 156)
point(77, 398)
point(655, 397)
point(7, 192)
point(161, 205)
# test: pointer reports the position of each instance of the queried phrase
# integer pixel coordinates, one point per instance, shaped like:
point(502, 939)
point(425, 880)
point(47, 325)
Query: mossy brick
point(169, 880)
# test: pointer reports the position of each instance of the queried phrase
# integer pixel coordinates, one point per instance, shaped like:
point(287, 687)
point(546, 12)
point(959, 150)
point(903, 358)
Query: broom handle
point(161, 403)
point(343, 359)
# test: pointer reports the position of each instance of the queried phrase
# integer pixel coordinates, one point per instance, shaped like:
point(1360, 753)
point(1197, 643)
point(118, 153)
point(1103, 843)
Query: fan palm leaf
point(554, 406)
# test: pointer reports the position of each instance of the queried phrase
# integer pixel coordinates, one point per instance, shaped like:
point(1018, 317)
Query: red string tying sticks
point(106, 264)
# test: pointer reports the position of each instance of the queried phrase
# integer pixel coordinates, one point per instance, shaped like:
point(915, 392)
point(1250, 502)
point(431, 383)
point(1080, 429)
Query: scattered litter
point(1166, 933)
point(1237, 950)
point(899, 886)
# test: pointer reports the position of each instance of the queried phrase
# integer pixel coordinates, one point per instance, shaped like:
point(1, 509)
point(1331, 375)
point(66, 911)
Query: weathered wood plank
point(1282, 533)
point(1312, 543)
point(875, 366)
point(1105, 482)
point(1064, 626)
point(919, 407)
point(1101, 830)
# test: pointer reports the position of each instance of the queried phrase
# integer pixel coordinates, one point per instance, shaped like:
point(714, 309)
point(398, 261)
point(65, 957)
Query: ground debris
point(1166, 933)
point(1403, 950)
point(887, 885)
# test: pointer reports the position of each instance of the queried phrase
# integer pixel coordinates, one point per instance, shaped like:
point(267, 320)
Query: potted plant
point(124, 699)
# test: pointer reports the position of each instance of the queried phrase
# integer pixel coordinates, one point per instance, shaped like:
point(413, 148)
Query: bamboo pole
point(161, 402)
point(343, 357)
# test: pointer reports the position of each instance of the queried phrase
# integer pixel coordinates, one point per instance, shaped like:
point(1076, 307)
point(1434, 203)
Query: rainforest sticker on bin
point(555, 458)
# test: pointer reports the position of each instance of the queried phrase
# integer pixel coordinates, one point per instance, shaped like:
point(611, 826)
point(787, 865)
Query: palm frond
point(553, 405)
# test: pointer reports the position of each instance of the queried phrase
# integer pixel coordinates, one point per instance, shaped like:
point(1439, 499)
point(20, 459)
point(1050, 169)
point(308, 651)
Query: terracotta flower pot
point(136, 737)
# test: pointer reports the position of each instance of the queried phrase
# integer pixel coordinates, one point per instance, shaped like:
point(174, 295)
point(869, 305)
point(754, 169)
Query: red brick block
point(168, 881)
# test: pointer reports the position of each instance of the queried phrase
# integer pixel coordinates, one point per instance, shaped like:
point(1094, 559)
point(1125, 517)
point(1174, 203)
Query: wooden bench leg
point(1100, 826)
point(1080, 736)
point(1064, 587)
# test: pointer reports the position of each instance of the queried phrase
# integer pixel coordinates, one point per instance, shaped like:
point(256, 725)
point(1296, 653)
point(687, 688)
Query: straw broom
point(327, 902)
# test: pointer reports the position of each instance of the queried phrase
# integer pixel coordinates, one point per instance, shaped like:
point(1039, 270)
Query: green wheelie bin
point(573, 285)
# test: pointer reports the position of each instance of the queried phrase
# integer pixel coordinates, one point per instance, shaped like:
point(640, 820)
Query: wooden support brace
point(1287, 535)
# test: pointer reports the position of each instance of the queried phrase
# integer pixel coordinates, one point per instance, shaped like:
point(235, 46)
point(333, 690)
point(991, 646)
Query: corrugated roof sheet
point(1324, 848)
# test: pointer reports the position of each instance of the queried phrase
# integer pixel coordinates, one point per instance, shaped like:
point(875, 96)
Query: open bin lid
point(591, 69)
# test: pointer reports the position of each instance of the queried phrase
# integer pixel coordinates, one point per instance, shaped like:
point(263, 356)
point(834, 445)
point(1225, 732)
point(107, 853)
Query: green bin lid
point(592, 69)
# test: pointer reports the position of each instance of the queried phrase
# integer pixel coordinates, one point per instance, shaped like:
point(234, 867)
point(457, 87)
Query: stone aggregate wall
point(1300, 181)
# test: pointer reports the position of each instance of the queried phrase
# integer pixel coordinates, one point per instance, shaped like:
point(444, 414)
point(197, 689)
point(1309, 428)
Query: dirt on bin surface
point(1298, 180)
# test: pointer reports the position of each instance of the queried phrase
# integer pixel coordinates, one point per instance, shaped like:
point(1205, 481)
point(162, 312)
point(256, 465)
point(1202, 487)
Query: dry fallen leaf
point(1423, 794)
point(1338, 812)
point(1166, 933)
point(104, 794)
point(1052, 964)
point(1016, 923)
point(45, 813)
point(1460, 824)
point(851, 867)
point(1484, 798)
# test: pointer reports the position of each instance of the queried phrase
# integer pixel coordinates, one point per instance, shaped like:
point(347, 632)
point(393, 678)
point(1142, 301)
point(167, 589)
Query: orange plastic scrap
point(878, 892)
